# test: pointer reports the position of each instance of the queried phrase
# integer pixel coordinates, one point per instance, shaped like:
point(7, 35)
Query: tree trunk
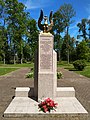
point(59, 55)
point(14, 55)
point(68, 55)
point(21, 51)
point(14, 59)
point(21, 59)
point(4, 59)
point(67, 45)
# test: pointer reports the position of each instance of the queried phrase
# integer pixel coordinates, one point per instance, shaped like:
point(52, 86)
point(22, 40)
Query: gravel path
point(9, 82)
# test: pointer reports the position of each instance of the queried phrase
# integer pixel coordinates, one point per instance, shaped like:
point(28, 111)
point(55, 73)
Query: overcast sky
point(82, 8)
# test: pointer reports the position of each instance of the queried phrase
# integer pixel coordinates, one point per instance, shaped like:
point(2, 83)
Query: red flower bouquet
point(47, 105)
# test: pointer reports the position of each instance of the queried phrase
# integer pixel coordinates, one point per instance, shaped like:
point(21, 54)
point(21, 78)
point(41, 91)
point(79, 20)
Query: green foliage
point(84, 29)
point(85, 72)
point(79, 64)
point(32, 38)
point(17, 65)
point(83, 51)
point(70, 67)
point(59, 75)
point(58, 45)
point(30, 75)
point(68, 46)
point(67, 12)
point(58, 20)
point(4, 71)
point(62, 19)
point(62, 63)
point(18, 32)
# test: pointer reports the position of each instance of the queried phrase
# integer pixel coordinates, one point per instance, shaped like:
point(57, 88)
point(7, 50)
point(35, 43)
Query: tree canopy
point(19, 34)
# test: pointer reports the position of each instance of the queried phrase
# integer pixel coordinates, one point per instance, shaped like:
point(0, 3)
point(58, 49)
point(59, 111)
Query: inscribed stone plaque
point(46, 50)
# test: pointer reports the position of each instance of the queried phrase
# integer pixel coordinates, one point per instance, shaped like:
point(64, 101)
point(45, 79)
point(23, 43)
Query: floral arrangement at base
point(47, 105)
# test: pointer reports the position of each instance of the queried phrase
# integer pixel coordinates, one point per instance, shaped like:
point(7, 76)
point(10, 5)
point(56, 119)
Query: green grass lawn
point(4, 71)
point(6, 68)
point(17, 65)
point(85, 72)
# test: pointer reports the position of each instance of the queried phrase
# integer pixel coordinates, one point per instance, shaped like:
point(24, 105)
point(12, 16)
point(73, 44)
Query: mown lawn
point(17, 65)
point(85, 72)
point(6, 68)
point(4, 71)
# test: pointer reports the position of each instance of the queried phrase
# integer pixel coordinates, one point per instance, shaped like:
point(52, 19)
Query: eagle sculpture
point(45, 27)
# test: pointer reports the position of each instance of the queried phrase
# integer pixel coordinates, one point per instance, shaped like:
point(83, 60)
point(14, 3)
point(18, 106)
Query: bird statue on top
point(45, 27)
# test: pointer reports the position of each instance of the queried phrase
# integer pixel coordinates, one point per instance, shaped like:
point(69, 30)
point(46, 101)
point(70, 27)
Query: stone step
point(65, 92)
point(22, 92)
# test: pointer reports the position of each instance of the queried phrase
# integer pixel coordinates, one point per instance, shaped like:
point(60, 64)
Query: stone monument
point(45, 81)
point(45, 84)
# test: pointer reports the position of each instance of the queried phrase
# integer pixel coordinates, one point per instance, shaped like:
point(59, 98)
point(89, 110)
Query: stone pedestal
point(46, 80)
point(22, 92)
point(65, 92)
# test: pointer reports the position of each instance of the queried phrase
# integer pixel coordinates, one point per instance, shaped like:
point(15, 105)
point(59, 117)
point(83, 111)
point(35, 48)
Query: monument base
point(68, 108)
point(65, 92)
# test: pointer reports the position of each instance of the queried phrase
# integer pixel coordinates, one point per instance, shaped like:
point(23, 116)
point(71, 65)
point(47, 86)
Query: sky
point(82, 8)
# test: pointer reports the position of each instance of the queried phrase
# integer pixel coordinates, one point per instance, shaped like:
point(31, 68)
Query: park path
point(9, 82)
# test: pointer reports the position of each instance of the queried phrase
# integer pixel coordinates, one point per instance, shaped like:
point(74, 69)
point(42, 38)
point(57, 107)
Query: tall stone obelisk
point(46, 81)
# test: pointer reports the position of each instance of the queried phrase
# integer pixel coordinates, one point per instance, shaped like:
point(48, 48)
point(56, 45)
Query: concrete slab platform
point(27, 107)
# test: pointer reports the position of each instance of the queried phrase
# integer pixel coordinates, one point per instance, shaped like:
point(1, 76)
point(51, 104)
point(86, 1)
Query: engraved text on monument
point(46, 54)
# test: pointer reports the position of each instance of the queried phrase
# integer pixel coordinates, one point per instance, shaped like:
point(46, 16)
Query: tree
point(3, 29)
point(16, 26)
point(63, 19)
point(27, 52)
point(32, 36)
point(18, 32)
point(83, 51)
point(82, 29)
point(68, 44)
point(67, 12)
point(58, 40)
point(3, 42)
point(58, 28)
point(89, 28)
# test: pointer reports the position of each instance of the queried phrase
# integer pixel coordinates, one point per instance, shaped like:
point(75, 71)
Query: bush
point(79, 64)
point(30, 75)
point(59, 75)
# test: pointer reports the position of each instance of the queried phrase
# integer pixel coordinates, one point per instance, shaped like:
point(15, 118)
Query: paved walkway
point(17, 78)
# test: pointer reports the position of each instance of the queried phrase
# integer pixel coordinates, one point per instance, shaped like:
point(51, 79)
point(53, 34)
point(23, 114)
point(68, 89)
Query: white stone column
point(46, 69)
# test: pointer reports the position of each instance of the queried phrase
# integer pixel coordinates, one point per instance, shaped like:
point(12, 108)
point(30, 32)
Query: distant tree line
point(19, 34)
point(67, 47)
